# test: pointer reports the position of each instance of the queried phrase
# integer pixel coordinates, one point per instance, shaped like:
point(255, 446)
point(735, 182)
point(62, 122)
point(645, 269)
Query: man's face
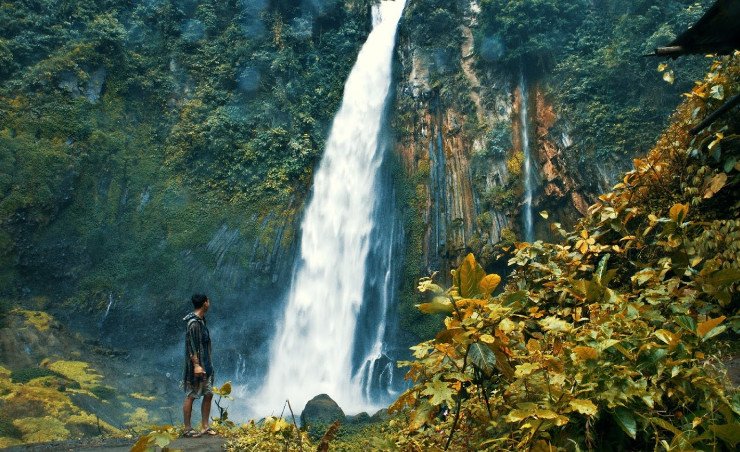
point(207, 304)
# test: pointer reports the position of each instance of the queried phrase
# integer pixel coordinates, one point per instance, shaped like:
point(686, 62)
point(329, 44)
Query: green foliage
point(433, 23)
point(270, 434)
point(612, 338)
point(614, 100)
point(530, 31)
point(27, 374)
point(224, 392)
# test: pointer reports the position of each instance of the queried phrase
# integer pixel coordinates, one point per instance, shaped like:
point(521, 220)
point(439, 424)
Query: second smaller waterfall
point(527, 172)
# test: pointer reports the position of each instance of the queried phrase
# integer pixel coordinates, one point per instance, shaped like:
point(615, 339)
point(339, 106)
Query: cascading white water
point(312, 350)
point(527, 172)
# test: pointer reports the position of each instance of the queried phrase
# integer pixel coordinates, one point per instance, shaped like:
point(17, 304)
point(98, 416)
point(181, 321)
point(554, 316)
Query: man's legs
point(187, 411)
point(205, 410)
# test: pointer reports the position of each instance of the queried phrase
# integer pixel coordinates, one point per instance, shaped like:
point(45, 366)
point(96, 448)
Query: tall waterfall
point(323, 344)
point(527, 165)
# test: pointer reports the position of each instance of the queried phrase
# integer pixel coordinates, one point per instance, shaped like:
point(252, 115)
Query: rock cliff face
point(461, 145)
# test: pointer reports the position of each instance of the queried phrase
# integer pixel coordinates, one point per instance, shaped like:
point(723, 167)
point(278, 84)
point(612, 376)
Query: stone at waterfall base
point(322, 410)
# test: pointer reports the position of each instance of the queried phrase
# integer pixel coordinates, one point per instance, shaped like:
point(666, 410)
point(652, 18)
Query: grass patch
point(140, 396)
point(78, 371)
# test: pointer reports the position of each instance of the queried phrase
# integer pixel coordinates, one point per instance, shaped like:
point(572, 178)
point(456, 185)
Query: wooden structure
point(718, 31)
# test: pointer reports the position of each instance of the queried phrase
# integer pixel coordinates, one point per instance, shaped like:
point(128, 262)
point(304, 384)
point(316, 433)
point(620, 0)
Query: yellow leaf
point(507, 326)
point(668, 337)
point(488, 284)
point(704, 327)
point(662, 67)
point(437, 305)
point(561, 420)
point(533, 345)
point(469, 275)
point(668, 77)
point(719, 136)
point(585, 353)
point(582, 246)
point(525, 369)
point(223, 390)
point(487, 338)
point(715, 185)
point(584, 406)
point(678, 212)
point(545, 414)
point(545, 214)
point(407, 398)
point(553, 323)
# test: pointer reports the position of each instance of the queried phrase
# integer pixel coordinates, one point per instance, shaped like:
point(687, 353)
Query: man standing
point(198, 375)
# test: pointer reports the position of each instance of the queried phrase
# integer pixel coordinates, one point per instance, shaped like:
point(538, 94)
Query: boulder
point(322, 410)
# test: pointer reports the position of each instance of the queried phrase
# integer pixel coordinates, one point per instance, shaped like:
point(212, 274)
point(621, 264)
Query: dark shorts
point(202, 386)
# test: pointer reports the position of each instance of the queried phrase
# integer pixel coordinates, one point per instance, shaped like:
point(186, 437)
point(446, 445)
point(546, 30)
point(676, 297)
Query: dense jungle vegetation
point(132, 130)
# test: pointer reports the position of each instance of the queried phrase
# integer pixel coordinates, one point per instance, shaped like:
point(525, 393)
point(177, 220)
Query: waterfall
point(438, 188)
point(320, 345)
point(107, 310)
point(527, 164)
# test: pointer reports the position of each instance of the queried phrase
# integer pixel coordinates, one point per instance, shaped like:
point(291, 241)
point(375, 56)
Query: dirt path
point(209, 444)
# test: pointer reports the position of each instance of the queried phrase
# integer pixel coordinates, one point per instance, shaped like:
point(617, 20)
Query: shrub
point(27, 374)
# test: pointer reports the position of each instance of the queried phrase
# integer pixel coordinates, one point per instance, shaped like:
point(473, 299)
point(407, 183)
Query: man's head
point(200, 300)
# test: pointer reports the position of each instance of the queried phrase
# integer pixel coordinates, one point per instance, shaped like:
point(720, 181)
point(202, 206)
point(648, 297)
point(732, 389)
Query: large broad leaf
point(482, 357)
point(686, 322)
point(626, 420)
point(584, 406)
point(469, 274)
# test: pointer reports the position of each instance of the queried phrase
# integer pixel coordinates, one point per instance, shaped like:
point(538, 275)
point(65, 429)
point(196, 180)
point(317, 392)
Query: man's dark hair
point(198, 300)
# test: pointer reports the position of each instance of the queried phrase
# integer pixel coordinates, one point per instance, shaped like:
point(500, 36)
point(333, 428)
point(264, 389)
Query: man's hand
point(199, 371)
